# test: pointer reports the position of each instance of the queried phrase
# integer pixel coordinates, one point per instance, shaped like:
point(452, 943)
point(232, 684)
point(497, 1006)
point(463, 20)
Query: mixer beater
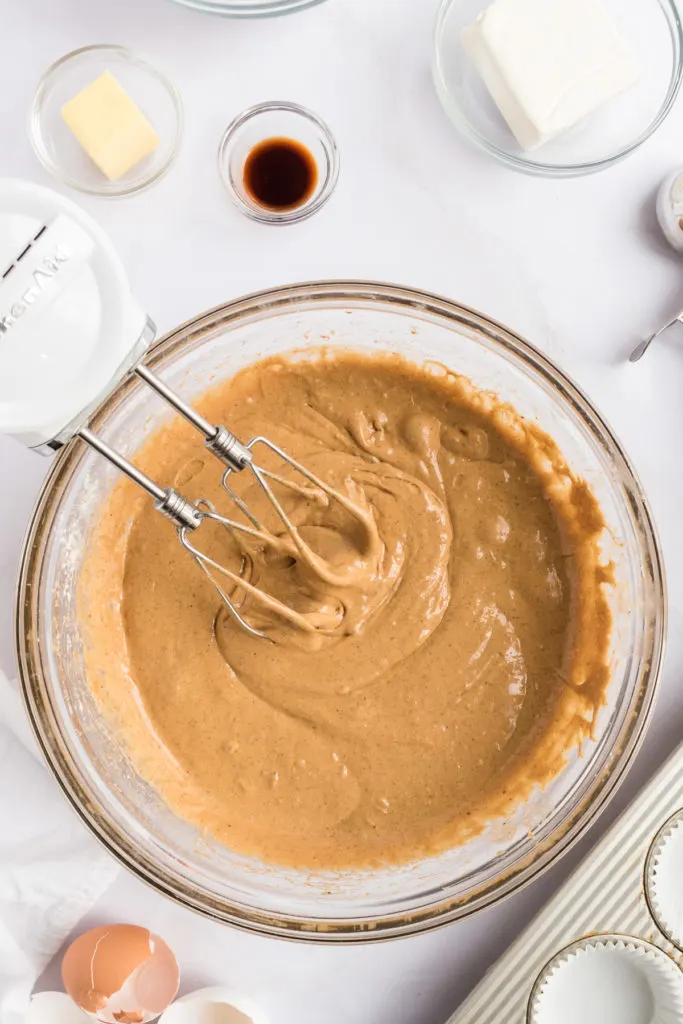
point(188, 516)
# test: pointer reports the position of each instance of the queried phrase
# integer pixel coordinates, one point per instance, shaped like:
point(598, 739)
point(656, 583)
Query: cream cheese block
point(549, 63)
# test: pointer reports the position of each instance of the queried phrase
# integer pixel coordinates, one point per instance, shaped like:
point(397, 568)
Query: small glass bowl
point(248, 8)
point(269, 121)
point(61, 153)
point(654, 30)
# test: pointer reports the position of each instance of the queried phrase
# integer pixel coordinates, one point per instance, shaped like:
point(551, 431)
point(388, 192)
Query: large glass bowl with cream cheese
point(653, 33)
point(87, 757)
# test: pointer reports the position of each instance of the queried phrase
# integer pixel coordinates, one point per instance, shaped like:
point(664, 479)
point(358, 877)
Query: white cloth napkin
point(51, 869)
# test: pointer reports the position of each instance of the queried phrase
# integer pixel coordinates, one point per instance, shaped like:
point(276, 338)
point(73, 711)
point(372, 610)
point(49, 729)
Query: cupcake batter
point(450, 641)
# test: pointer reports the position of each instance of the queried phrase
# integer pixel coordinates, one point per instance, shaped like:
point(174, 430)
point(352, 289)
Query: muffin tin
point(608, 947)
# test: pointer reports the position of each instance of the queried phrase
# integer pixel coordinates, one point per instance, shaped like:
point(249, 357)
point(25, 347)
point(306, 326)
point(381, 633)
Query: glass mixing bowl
point(87, 758)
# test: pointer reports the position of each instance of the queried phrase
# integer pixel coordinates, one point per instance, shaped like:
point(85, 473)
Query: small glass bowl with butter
point(105, 121)
point(558, 87)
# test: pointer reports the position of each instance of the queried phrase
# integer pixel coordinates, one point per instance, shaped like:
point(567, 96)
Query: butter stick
point(110, 127)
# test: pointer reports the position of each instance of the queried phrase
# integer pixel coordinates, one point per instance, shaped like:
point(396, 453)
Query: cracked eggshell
point(54, 1008)
point(120, 974)
point(214, 1006)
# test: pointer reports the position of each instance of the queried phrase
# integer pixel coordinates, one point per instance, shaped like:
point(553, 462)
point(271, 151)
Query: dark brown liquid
point(280, 174)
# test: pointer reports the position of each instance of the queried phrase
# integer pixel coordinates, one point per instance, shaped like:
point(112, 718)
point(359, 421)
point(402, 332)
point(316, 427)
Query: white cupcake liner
point(608, 979)
point(664, 879)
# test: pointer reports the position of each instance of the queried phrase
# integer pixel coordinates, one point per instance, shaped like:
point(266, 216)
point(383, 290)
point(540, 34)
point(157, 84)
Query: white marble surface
point(576, 265)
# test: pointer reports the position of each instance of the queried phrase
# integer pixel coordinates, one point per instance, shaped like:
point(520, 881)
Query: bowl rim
point(353, 929)
point(551, 170)
point(108, 189)
point(248, 8)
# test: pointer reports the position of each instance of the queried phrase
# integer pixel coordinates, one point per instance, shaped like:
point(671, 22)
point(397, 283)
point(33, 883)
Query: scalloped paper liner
point(664, 879)
point(608, 979)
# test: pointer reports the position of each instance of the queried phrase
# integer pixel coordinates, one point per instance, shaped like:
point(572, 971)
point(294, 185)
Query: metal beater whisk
point(188, 516)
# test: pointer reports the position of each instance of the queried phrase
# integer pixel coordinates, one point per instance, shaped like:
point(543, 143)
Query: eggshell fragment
point(214, 1006)
point(120, 974)
point(54, 1008)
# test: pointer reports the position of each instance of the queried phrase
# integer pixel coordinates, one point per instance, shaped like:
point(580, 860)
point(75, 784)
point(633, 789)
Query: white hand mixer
point(70, 331)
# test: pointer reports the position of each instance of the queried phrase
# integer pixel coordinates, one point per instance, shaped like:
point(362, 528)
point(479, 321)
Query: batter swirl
point(460, 626)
